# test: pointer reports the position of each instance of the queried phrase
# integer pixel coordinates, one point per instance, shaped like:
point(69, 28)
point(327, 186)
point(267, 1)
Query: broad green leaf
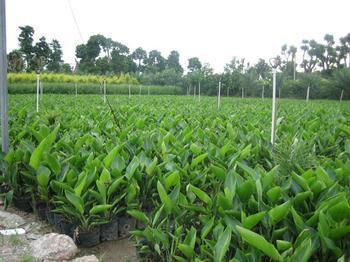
point(97, 209)
point(172, 180)
point(199, 193)
point(105, 176)
point(198, 159)
point(283, 245)
point(43, 176)
point(110, 157)
point(114, 186)
point(222, 245)
point(219, 172)
point(303, 252)
point(277, 213)
point(245, 190)
point(207, 228)
point(274, 193)
point(150, 168)
point(76, 201)
point(102, 190)
point(168, 205)
point(251, 221)
point(259, 242)
point(44, 145)
point(130, 170)
point(139, 216)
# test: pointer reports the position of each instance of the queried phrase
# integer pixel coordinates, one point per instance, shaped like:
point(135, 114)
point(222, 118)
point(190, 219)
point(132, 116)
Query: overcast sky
point(213, 30)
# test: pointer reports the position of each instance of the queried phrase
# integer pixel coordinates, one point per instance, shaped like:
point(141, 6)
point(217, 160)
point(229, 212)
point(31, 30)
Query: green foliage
point(206, 184)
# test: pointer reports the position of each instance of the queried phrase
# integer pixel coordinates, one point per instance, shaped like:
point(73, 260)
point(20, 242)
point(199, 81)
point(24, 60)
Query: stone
point(54, 247)
point(8, 220)
point(91, 258)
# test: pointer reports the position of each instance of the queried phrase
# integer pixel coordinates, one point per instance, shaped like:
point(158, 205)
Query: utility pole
point(3, 80)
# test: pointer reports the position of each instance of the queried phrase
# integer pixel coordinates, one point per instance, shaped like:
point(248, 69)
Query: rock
point(8, 220)
point(33, 227)
point(54, 247)
point(91, 258)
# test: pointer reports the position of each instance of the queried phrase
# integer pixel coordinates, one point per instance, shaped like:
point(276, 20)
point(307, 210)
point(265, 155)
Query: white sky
point(213, 30)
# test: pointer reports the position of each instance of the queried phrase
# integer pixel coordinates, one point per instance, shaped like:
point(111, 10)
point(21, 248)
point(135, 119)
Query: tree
point(309, 55)
point(107, 45)
point(15, 61)
point(140, 55)
point(262, 69)
point(345, 49)
point(42, 53)
point(55, 57)
point(292, 51)
point(194, 64)
point(173, 62)
point(26, 44)
point(234, 72)
point(330, 55)
point(66, 68)
point(155, 61)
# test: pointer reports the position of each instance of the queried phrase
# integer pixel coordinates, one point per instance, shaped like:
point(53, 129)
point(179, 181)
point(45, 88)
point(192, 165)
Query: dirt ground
point(16, 248)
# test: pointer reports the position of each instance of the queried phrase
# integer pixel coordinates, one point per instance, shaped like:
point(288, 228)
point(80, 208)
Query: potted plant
point(110, 192)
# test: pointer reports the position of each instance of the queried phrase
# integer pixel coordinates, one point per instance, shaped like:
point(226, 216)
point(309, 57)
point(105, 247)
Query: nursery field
point(203, 184)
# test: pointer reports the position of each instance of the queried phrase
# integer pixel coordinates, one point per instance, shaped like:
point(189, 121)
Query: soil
point(16, 249)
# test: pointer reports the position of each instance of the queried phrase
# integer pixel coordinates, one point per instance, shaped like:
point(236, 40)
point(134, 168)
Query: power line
point(75, 21)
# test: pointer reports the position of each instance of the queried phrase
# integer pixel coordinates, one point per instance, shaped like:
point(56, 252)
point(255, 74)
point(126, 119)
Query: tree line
point(324, 66)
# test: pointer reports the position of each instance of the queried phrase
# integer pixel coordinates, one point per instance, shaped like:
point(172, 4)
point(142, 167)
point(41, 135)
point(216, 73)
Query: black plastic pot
point(23, 203)
point(87, 238)
point(57, 220)
point(109, 231)
point(67, 228)
point(49, 216)
point(126, 224)
point(40, 209)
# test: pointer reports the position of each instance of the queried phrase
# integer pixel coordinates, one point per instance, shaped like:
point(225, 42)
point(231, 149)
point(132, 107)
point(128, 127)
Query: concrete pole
point(199, 91)
point(219, 94)
point(37, 91)
point(3, 80)
point(294, 65)
point(274, 112)
point(41, 90)
point(263, 92)
point(104, 91)
point(308, 94)
point(341, 95)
